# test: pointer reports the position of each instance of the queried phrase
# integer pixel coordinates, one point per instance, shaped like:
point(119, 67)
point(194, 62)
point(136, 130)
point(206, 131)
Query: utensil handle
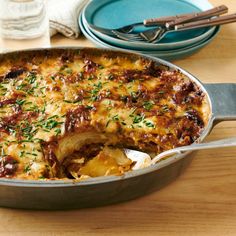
point(163, 20)
point(216, 11)
point(223, 98)
point(208, 22)
point(222, 143)
point(228, 142)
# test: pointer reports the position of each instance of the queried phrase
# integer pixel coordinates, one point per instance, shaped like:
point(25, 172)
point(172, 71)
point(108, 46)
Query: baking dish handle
point(223, 98)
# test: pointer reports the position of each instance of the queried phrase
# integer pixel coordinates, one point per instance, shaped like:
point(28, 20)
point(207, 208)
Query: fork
point(155, 35)
point(152, 34)
point(161, 21)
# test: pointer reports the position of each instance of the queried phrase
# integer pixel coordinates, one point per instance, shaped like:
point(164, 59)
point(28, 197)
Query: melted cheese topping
point(60, 108)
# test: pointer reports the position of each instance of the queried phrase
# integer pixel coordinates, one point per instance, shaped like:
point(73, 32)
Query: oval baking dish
point(68, 194)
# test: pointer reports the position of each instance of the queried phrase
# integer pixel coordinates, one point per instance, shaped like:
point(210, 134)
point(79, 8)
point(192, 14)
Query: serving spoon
point(142, 159)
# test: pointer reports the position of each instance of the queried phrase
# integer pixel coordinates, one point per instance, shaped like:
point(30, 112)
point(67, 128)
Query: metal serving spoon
point(143, 159)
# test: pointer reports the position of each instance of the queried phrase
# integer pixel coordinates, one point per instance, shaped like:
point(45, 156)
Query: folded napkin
point(63, 16)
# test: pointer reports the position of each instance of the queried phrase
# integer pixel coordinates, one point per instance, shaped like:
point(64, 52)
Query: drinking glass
point(23, 24)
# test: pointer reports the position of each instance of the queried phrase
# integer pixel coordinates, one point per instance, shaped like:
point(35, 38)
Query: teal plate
point(107, 14)
point(167, 55)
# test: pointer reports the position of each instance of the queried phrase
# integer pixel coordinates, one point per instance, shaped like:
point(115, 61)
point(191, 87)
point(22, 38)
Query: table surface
point(202, 201)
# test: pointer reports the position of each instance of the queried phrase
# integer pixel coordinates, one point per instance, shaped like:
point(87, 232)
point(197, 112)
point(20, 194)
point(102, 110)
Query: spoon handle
point(229, 142)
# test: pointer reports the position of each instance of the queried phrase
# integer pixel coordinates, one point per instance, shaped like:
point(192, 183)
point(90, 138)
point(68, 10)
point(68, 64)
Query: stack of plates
point(116, 13)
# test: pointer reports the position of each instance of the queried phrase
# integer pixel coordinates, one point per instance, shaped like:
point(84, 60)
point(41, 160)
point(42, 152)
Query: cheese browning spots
point(64, 112)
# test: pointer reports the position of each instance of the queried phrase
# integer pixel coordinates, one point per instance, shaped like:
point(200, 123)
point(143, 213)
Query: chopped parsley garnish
point(95, 91)
point(165, 108)
point(134, 95)
point(32, 154)
point(148, 105)
point(31, 78)
point(33, 108)
point(27, 169)
point(43, 108)
point(110, 77)
point(22, 153)
point(50, 124)
point(115, 118)
point(26, 130)
point(132, 112)
point(149, 124)
point(41, 90)
point(94, 98)
point(138, 118)
point(108, 122)
point(20, 102)
point(21, 86)
point(57, 131)
point(3, 89)
point(76, 101)
point(42, 177)
point(99, 85)
point(89, 107)
point(68, 70)
point(124, 98)
point(2, 152)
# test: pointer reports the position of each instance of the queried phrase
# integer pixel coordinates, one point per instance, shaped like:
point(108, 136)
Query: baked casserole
point(68, 114)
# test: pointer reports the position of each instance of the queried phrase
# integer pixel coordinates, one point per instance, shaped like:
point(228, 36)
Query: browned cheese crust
point(60, 108)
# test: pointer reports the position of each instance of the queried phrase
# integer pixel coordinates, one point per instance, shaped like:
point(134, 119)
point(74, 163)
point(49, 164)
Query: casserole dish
point(67, 194)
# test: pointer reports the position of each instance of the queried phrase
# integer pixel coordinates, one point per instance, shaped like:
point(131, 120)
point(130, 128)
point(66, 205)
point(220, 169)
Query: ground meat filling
point(8, 166)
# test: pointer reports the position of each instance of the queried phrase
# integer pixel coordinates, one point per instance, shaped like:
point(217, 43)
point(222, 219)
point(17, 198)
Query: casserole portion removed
point(68, 114)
